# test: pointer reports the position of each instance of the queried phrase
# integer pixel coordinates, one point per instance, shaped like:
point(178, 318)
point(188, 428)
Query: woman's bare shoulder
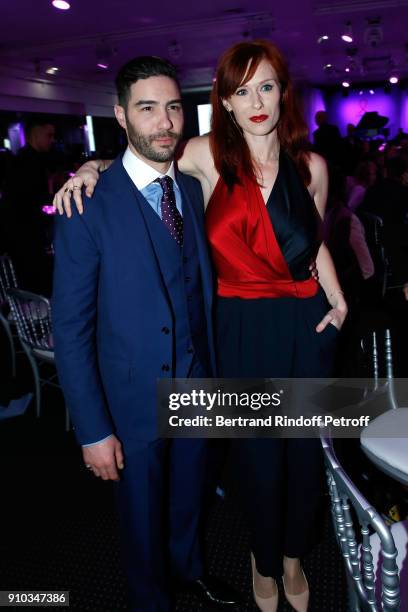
point(318, 170)
point(317, 164)
point(319, 184)
point(201, 143)
point(196, 157)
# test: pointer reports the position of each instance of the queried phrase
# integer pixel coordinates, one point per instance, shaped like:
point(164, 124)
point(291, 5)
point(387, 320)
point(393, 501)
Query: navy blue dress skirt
point(280, 481)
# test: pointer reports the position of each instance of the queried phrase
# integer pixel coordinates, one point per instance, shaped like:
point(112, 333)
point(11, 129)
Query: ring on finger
point(76, 187)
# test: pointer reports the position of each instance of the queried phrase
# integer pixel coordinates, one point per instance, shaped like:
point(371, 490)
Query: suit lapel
point(188, 197)
point(197, 218)
point(133, 206)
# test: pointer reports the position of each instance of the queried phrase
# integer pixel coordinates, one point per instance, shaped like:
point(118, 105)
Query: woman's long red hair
point(229, 148)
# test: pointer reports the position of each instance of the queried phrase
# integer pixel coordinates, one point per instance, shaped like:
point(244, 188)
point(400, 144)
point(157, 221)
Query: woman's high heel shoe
point(265, 604)
point(298, 602)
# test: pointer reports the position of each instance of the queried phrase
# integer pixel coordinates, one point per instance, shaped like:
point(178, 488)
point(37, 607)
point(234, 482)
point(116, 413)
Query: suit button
point(187, 279)
point(165, 330)
point(190, 350)
point(165, 367)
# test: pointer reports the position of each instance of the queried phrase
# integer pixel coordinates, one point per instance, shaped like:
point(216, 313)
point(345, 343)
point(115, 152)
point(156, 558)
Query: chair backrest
point(32, 314)
point(7, 277)
point(374, 231)
point(377, 347)
point(359, 560)
point(373, 226)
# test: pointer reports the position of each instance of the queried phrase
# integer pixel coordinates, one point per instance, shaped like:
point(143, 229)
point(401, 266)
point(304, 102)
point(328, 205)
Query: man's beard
point(143, 144)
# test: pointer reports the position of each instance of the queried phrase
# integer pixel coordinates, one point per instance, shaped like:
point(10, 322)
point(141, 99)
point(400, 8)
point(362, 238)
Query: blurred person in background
point(401, 137)
point(351, 149)
point(327, 139)
point(6, 160)
point(364, 177)
point(345, 237)
point(26, 225)
point(388, 197)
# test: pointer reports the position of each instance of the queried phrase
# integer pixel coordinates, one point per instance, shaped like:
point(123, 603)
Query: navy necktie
point(171, 217)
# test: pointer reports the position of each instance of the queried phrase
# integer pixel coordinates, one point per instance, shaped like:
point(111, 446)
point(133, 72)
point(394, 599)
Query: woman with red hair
point(266, 196)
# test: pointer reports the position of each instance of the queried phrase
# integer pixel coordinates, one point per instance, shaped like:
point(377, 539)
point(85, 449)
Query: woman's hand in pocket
point(337, 314)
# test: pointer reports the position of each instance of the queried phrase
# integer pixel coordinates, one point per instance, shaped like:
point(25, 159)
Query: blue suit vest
point(180, 268)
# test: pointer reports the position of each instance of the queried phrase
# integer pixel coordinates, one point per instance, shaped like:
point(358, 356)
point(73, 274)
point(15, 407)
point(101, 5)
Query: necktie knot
point(166, 183)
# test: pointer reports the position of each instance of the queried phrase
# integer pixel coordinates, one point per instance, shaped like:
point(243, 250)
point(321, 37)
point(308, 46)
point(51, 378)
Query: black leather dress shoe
point(214, 591)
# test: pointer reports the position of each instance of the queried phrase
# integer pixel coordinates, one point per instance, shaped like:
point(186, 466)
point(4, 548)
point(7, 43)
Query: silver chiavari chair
point(351, 513)
point(8, 280)
point(32, 315)
point(384, 439)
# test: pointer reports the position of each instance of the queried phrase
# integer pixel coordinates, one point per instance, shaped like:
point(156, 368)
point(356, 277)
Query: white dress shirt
point(143, 176)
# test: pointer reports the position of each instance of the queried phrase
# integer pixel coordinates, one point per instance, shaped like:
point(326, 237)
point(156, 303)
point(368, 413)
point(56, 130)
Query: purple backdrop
point(342, 111)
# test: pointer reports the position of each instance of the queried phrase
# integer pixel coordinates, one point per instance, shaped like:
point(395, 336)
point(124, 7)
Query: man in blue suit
point(132, 303)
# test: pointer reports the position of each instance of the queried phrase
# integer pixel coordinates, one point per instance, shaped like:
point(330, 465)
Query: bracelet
point(335, 292)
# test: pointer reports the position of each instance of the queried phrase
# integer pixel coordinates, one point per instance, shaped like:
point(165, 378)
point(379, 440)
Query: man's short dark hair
point(138, 68)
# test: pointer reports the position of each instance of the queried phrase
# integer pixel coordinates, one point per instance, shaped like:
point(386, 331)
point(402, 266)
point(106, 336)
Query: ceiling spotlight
point(103, 66)
point(347, 35)
point(322, 39)
point(328, 67)
point(372, 92)
point(360, 93)
point(52, 70)
point(345, 84)
point(393, 79)
point(63, 5)
point(347, 70)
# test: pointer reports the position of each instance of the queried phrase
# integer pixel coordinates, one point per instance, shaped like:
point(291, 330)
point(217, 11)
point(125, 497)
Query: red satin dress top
point(245, 251)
